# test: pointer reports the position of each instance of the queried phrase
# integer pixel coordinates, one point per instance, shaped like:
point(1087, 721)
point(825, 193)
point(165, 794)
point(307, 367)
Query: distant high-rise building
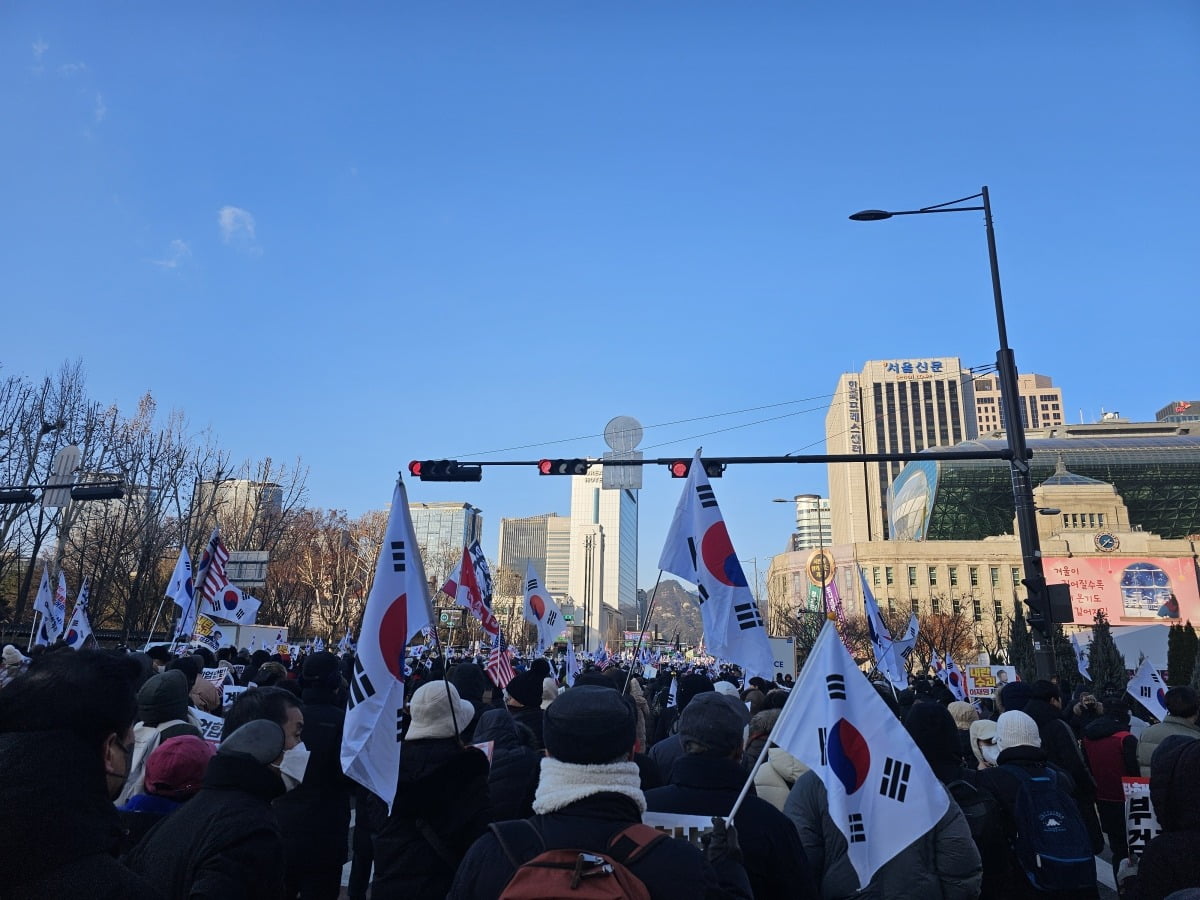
point(558, 557)
point(1041, 403)
point(891, 406)
point(814, 527)
point(1179, 411)
point(442, 531)
point(524, 541)
point(603, 544)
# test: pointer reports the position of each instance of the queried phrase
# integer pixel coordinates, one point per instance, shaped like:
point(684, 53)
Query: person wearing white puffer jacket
point(775, 777)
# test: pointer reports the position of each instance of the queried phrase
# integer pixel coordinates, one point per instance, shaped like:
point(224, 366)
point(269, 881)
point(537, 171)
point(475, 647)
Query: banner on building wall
point(1130, 591)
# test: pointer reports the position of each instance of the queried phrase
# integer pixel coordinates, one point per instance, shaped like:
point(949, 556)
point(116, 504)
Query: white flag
point(882, 793)
point(60, 603)
point(51, 626)
point(541, 610)
point(397, 608)
point(673, 692)
point(882, 645)
point(572, 665)
point(79, 629)
point(1146, 686)
point(698, 550)
point(181, 589)
point(1081, 655)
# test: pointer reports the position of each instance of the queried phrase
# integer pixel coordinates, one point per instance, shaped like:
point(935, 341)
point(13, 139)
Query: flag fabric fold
point(397, 608)
point(1146, 686)
point(882, 794)
point(79, 629)
point(499, 663)
point(573, 667)
point(52, 621)
point(541, 610)
point(955, 679)
point(470, 584)
point(221, 598)
point(182, 591)
point(698, 549)
point(1081, 656)
point(882, 645)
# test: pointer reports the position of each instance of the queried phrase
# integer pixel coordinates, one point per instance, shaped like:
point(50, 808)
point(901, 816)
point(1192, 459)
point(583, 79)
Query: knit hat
point(526, 689)
point(1015, 729)
point(964, 714)
point(540, 667)
point(176, 767)
point(690, 686)
point(431, 715)
point(549, 691)
point(470, 681)
point(12, 656)
point(729, 690)
point(321, 670)
point(259, 740)
point(1015, 695)
point(714, 720)
point(163, 697)
point(589, 724)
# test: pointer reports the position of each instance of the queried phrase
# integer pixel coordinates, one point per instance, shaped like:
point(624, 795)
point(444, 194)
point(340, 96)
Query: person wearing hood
point(471, 681)
point(964, 714)
point(174, 772)
point(163, 713)
point(707, 780)
point(1111, 752)
point(669, 749)
point(513, 775)
point(66, 739)
point(1020, 746)
point(314, 817)
point(441, 804)
point(983, 743)
point(225, 841)
point(1171, 861)
point(779, 771)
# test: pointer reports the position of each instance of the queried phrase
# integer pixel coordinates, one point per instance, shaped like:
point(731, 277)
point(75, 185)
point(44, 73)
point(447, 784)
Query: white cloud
point(100, 110)
point(68, 69)
point(177, 252)
point(237, 226)
point(39, 49)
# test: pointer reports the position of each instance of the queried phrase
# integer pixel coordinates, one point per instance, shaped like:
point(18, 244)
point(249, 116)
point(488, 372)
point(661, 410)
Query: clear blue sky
point(364, 233)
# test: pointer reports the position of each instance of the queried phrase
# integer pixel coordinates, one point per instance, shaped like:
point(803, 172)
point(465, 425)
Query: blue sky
point(366, 233)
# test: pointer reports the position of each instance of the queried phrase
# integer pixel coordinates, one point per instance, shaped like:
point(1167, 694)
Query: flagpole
point(33, 630)
point(197, 586)
point(642, 633)
point(154, 624)
point(437, 642)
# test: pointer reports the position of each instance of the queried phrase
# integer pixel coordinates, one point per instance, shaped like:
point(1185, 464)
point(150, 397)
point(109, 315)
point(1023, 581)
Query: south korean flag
point(882, 793)
point(541, 610)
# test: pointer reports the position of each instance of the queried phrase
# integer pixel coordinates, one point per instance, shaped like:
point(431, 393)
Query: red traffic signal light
point(444, 470)
point(679, 468)
point(562, 466)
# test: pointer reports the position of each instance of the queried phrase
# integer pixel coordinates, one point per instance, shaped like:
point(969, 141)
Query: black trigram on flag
point(1145, 691)
point(858, 831)
point(397, 556)
point(399, 724)
point(551, 617)
point(702, 591)
point(531, 585)
point(706, 496)
point(692, 551)
point(836, 685)
point(895, 779)
point(360, 686)
point(822, 737)
point(747, 615)
point(238, 615)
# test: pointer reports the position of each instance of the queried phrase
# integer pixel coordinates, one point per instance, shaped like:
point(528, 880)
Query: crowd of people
point(114, 784)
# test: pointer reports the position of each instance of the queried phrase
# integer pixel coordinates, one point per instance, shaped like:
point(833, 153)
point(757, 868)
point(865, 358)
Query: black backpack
point(980, 809)
point(1052, 843)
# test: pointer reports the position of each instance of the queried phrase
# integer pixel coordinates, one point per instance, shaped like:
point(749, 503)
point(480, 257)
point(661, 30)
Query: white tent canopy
point(1134, 641)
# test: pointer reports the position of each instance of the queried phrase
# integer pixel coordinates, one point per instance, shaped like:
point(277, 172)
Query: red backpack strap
point(630, 844)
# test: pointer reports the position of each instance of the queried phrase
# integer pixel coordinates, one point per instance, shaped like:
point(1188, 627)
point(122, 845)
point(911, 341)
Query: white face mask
point(294, 765)
point(990, 751)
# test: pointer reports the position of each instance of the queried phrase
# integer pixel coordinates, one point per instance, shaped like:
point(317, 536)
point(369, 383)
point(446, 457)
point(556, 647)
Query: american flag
point(212, 564)
point(499, 663)
point(604, 658)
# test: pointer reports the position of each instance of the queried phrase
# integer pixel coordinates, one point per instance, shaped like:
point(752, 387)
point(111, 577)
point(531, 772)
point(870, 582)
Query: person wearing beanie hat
point(1021, 751)
point(471, 681)
point(174, 772)
point(1013, 695)
point(706, 781)
point(442, 802)
point(540, 667)
point(523, 696)
point(163, 713)
point(669, 749)
point(587, 795)
point(225, 841)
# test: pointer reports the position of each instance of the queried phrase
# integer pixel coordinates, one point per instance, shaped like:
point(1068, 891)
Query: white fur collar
point(563, 783)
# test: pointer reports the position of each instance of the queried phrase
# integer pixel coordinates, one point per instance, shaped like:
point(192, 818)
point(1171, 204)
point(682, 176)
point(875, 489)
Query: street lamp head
point(870, 215)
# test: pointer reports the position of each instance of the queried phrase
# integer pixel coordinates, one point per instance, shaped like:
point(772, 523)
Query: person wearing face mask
point(983, 743)
point(314, 816)
point(66, 738)
point(225, 842)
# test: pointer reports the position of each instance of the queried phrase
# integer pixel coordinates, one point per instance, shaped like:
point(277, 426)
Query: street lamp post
point(1010, 397)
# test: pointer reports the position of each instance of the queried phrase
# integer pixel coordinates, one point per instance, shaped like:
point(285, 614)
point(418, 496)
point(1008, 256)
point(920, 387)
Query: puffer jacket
point(1172, 860)
point(513, 776)
point(774, 779)
point(1156, 734)
point(941, 863)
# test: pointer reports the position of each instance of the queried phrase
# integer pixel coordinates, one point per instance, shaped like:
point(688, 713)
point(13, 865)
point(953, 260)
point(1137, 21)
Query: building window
point(916, 605)
point(974, 570)
point(1066, 521)
point(999, 611)
point(954, 576)
point(956, 606)
point(933, 576)
point(890, 574)
point(935, 604)
point(875, 576)
point(995, 573)
point(912, 576)
point(978, 609)
point(891, 605)
point(1100, 518)
point(1016, 576)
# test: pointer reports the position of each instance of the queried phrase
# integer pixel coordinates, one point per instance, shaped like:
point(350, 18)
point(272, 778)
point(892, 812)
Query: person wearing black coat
point(513, 777)
point(441, 803)
point(471, 682)
point(706, 781)
point(314, 817)
point(224, 843)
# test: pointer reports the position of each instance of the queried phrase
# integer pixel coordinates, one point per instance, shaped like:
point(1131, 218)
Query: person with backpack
point(1050, 853)
point(587, 829)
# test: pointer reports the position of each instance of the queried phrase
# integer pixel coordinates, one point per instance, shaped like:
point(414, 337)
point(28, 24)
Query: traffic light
point(562, 467)
point(113, 491)
point(17, 495)
point(444, 470)
point(1049, 604)
point(679, 468)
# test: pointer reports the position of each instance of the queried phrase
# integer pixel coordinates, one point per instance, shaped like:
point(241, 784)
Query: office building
point(891, 406)
point(813, 525)
point(1041, 403)
point(603, 553)
point(523, 541)
point(442, 531)
point(1179, 411)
